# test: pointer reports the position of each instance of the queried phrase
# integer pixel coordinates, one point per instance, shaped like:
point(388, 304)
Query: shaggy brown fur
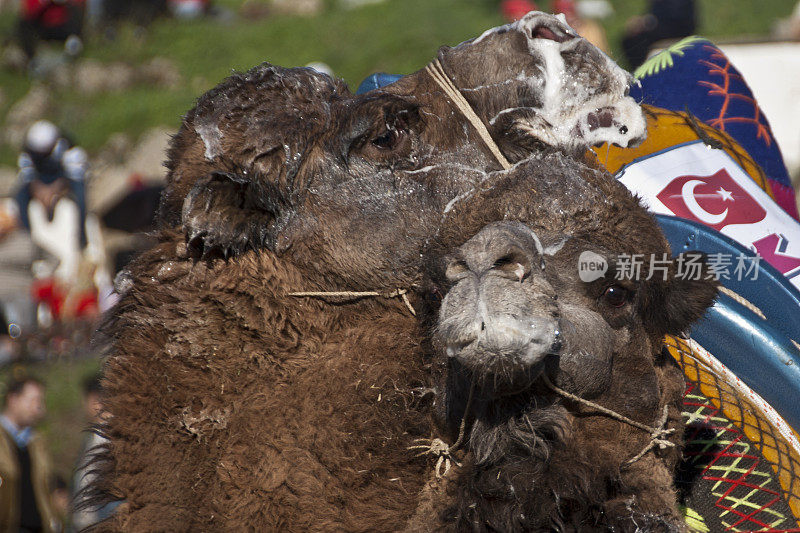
point(535, 462)
point(234, 407)
point(237, 407)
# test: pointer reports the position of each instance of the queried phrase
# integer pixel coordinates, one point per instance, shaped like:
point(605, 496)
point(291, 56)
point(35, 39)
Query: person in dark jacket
point(50, 167)
point(25, 496)
point(50, 20)
point(666, 19)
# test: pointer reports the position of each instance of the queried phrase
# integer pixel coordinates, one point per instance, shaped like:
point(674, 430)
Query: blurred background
point(90, 91)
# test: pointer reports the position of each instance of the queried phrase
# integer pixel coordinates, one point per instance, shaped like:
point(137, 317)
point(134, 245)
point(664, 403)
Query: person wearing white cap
point(52, 197)
point(48, 158)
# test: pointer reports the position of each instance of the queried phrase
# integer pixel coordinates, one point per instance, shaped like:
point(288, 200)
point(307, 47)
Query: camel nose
point(500, 303)
point(510, 262)
point(501, 249)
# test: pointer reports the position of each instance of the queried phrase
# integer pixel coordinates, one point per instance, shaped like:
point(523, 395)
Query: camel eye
point(615, 296)
point(436, 294)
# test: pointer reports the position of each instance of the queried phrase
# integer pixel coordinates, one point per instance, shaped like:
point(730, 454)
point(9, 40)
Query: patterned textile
point(741, 468)
point(694, 75)
point(731, 193)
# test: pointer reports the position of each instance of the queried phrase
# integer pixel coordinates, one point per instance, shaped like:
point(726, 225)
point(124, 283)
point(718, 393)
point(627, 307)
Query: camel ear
point(683, 299)
point(225, 214)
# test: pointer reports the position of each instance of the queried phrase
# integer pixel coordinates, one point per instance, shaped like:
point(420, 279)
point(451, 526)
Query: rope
point(743, 301)
point(439, 448)
point(657, 432)
point(350, 294)
point(749, 305)
point(462, 428)
point(438, 74)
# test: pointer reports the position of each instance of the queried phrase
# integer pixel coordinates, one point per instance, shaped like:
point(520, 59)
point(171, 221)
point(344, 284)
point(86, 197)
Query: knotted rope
point(350, 294)
point(439, 448)
point(657, 432)
point(434, 68)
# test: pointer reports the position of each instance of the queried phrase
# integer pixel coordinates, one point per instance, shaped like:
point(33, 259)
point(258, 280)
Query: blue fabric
point(695, 75)
point(376, 81)
point(21, 436)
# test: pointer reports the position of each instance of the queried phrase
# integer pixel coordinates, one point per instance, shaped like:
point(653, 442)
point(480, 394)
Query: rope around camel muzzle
point(658, 433)
point(444, 452)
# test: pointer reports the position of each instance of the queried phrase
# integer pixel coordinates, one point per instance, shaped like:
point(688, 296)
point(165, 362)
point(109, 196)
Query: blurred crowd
point(72, 280)
point(32, 498)
point(64, 21)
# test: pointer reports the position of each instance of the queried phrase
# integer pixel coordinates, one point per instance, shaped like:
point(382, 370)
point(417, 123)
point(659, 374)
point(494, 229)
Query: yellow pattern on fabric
point(666, 129)
point(744, 415)
point(693, 520)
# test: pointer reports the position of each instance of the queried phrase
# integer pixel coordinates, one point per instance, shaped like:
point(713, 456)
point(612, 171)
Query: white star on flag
point(726, 195)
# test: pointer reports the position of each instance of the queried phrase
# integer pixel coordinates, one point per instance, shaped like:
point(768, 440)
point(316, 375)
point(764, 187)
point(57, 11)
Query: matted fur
point(237, 407)
point(533, 460)
point(234, 406)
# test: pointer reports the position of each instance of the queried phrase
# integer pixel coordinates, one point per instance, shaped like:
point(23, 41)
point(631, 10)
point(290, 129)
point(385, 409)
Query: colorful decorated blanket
point(695, 76)
point(691, 170)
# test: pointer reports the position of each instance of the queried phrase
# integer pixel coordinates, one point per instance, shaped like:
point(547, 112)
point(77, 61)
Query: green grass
point(354, 43)
point(397, 36)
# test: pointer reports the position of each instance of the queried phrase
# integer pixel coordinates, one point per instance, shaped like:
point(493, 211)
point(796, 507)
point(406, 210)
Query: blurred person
point(189, 9)
point(60, 498)
point(50, 20)
point(516, 9)
point(666, 19)
point(25, 493)
point(51, 205)
point(50, 169)
point(84, 514)
point(584, 26)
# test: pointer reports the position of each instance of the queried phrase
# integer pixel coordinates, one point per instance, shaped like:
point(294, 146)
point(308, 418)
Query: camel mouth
point(508, 356)
point(619, 123)
point(499, 374)
point(551, 34)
